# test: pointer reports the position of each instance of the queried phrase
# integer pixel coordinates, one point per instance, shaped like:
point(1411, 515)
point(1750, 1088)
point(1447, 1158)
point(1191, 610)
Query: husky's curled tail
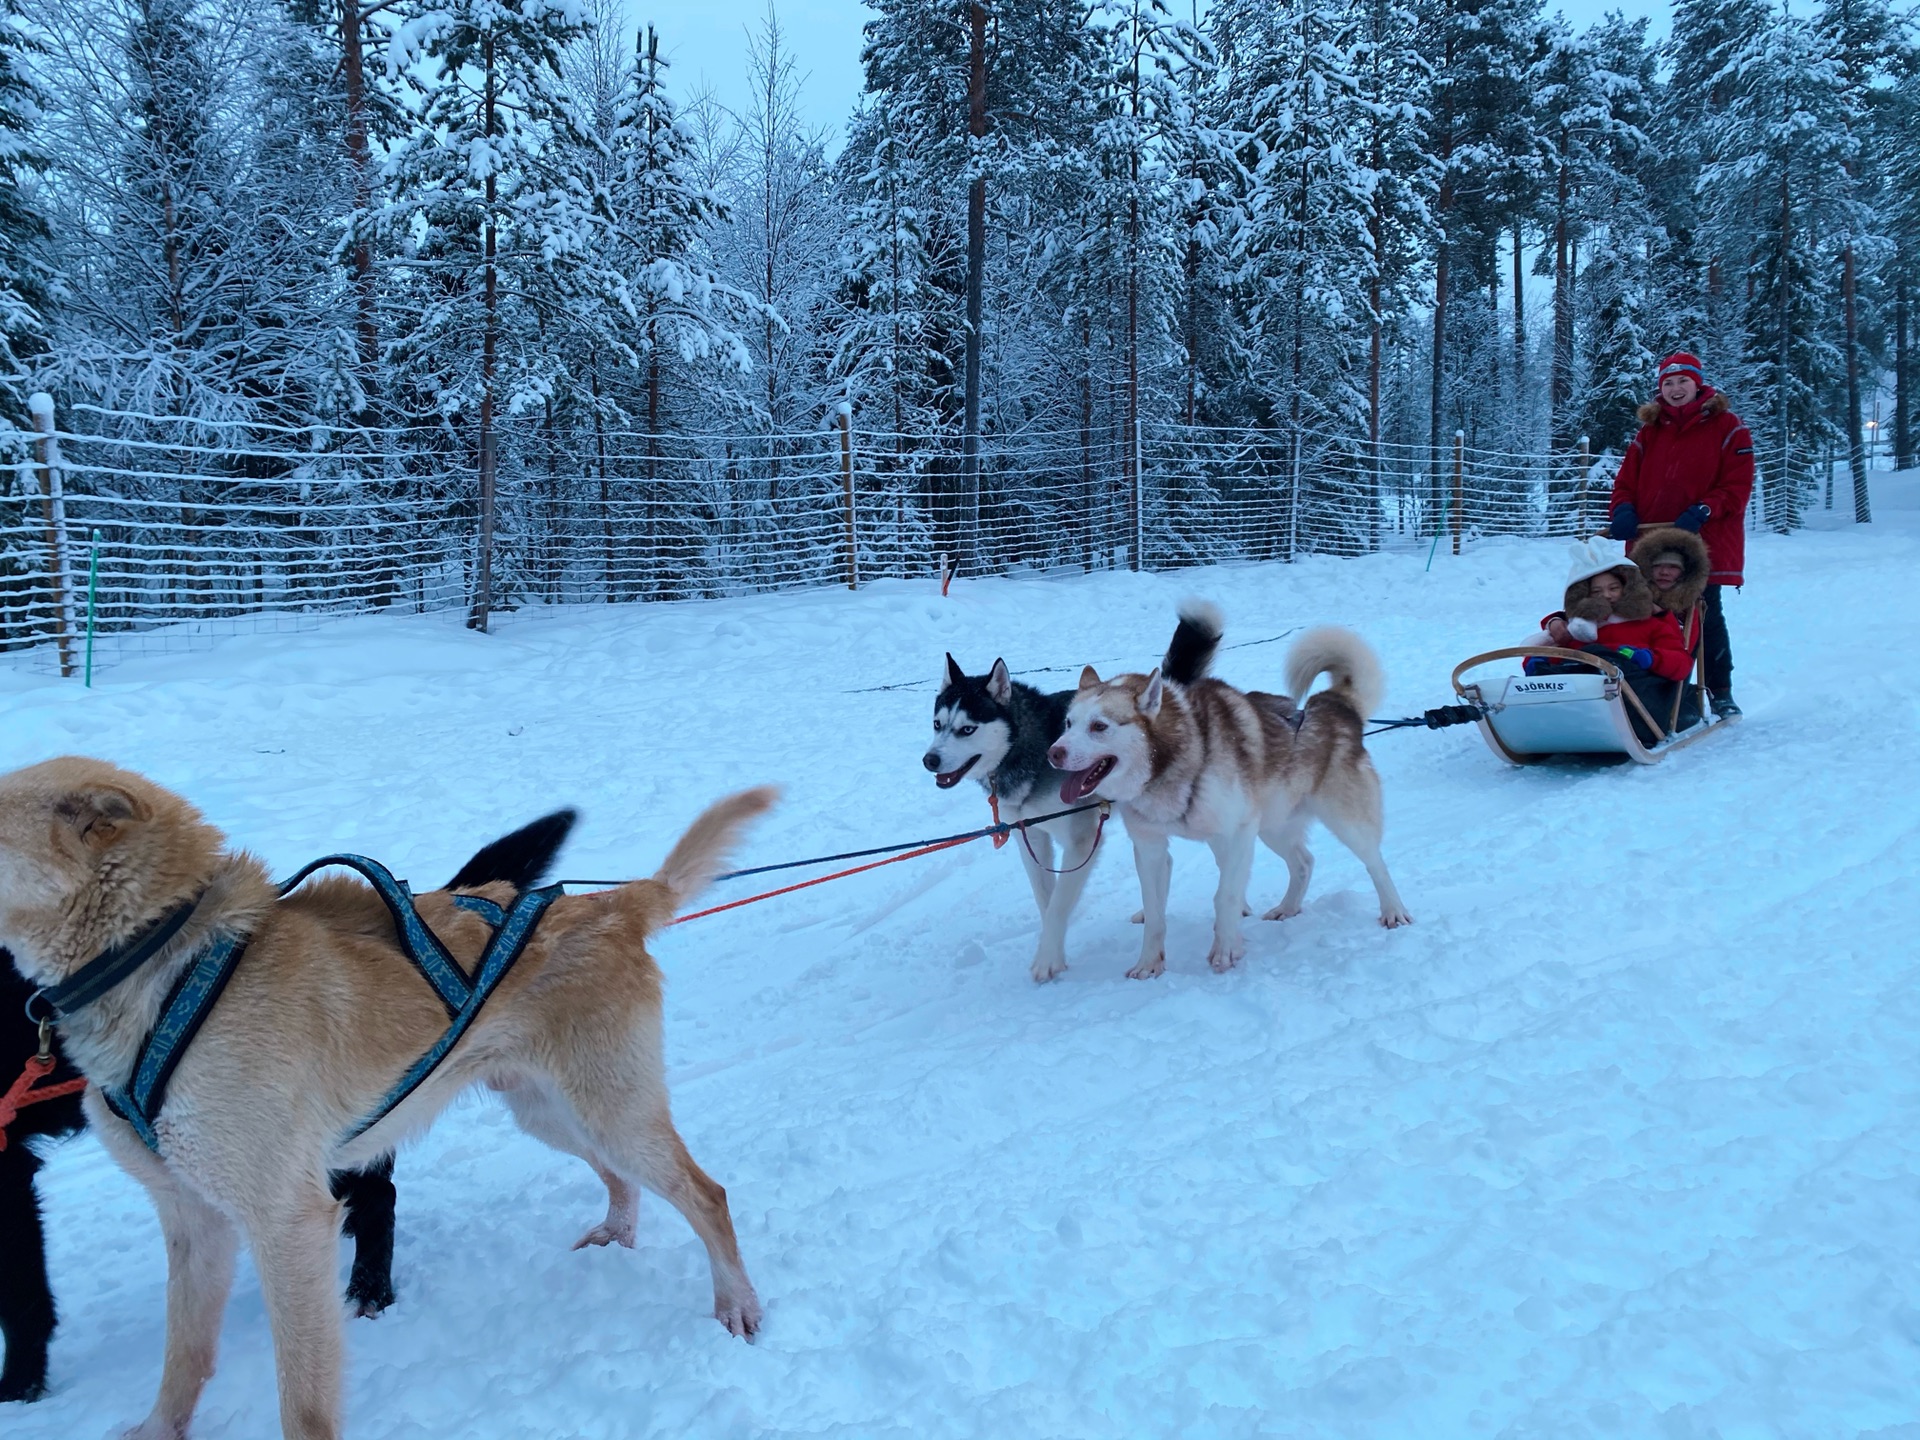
point(1196, 639)
point(1331, 650)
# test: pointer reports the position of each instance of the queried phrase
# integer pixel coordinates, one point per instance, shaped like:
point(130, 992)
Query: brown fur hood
point(1636, 603)
point(1694, 566)
point(1650, 412)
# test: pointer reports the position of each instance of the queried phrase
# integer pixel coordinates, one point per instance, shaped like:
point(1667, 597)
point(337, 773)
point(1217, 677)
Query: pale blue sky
point(706, 42)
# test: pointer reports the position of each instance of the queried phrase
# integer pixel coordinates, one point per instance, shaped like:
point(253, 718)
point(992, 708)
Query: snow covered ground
point(1622, 1138)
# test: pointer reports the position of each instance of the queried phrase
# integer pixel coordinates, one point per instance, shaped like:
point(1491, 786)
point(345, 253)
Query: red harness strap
point(21, 1093)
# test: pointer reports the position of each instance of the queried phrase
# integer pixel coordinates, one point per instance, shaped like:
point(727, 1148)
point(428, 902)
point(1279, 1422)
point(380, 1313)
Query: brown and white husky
point(1208, 762)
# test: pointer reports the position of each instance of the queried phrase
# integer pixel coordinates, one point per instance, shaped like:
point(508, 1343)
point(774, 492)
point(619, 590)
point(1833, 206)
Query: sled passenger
point(1676, 566)
point(1611, 612)
point(1691, 466)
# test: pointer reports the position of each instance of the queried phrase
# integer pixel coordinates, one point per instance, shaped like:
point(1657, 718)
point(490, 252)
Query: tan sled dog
point(1208, 762)
point(324, 1013)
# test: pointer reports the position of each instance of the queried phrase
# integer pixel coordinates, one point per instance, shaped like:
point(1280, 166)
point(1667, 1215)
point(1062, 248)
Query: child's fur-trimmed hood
point(1695, 568)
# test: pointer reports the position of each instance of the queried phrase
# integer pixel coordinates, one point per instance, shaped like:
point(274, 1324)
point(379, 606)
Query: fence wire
point(160, 531)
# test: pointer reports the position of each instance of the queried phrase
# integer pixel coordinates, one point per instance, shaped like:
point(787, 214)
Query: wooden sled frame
point(1619, 695)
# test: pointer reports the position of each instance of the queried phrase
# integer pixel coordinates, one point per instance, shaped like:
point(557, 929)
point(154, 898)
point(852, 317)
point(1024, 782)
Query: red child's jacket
point(1659, 633)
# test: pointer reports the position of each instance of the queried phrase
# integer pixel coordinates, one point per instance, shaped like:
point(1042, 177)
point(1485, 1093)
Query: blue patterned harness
point(198, 989)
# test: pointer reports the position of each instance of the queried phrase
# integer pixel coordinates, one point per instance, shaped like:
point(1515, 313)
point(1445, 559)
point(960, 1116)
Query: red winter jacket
point(1699, 454)
point(1659, 632)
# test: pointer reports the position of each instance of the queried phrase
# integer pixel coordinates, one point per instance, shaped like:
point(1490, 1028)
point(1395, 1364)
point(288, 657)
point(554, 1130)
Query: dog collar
point(103, 972)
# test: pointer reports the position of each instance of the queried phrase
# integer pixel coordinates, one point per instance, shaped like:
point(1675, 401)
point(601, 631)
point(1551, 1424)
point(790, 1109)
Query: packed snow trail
point(1619, 1139)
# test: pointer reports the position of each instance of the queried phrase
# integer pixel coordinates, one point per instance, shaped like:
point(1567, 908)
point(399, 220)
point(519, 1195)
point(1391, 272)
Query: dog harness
point(198, 989)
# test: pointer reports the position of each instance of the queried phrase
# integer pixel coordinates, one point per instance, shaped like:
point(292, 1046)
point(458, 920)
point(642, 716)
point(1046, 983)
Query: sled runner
point(1530, 718)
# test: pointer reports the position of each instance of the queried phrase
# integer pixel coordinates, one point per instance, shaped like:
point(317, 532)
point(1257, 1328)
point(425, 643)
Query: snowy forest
point(373, 278)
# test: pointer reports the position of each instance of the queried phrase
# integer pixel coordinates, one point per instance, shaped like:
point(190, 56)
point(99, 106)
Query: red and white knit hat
point(1681, 363)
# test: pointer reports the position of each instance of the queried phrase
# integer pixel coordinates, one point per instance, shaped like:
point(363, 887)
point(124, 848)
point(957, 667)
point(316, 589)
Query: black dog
point(26, 1300)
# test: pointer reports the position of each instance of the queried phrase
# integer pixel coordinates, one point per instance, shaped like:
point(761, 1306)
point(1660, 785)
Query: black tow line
point(1004, 827)
point(1437, 718)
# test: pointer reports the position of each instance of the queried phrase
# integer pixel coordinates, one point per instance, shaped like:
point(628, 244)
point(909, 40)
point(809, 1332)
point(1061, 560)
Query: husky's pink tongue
point(1081, 783)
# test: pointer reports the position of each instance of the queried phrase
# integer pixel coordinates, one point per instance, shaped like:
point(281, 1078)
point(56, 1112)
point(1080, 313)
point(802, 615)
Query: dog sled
point(1528, 719)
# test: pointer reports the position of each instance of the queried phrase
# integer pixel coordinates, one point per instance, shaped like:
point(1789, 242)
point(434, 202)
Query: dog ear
point(1149, 702)
point(1089, 678)
point(955, 675)
point(99, 815)
point(999, 683)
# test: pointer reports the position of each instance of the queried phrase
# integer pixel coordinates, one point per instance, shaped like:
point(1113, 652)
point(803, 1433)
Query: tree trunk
point(1132, 458)
point(1193, 317)
point(489, 359)
point(969, 539)
point(1374, 339)
point(359, 155)
point(1436, 398)
point(1783, 486)
point(1561, 402)
point(1902, 377)
point(1856, 446)
point(1519, 322)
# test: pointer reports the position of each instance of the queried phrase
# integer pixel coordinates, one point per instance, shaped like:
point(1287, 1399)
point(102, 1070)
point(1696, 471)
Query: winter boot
point(1723, 706)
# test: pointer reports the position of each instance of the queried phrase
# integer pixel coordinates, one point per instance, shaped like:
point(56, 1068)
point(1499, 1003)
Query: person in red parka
point(1691, 466)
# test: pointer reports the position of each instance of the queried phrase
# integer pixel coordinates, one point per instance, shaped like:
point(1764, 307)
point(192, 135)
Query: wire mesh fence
point(140, 533)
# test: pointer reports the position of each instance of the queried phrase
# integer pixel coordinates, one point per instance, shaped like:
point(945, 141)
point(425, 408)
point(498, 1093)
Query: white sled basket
point(1530, 718)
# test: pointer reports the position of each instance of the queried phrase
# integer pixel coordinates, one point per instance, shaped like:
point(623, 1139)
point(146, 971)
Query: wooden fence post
point(844, 415)
point(53, 507)
point(1459, 483)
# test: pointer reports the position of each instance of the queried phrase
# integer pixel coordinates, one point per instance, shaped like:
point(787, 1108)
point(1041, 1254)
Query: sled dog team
point(105, 874)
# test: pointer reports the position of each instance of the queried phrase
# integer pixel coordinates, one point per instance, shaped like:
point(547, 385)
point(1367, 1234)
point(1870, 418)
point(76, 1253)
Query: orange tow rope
point(21, 1093)
point(822, 879)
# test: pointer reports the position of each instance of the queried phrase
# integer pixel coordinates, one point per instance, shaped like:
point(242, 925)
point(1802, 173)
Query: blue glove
point(1626, 522)
point(1692, 518)
point(1638, 654)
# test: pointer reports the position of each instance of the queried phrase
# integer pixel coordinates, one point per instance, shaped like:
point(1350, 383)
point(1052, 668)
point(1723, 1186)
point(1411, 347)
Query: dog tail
point(1330, 650)
point(1195, 641)
point(700, 854)
point(521, 859)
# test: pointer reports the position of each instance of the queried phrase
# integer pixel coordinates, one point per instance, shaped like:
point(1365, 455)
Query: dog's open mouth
point(947, 779)
point(1081, 783)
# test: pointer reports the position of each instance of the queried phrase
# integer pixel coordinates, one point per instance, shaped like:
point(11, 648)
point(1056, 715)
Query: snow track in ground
point(1618, 1140)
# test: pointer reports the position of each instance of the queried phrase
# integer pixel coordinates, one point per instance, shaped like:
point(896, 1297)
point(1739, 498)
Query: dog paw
point(1149, 967)
point(153, 1429)
point(1226, 954)
point(607, 1232)
point(1394, 919)
point(1046, 967)
point(1282, 911)
point(22, 1387)
point(1139, 917)
point(741, 1315)
point(368, 1293)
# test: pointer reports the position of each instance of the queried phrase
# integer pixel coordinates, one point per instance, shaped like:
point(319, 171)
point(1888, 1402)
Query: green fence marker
point(93, 590)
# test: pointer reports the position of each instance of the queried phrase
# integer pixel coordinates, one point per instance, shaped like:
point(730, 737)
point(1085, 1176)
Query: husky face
point(1107, 747)
point(972, 731)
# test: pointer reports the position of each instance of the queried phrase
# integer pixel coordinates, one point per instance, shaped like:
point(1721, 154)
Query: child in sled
point(1610, 611)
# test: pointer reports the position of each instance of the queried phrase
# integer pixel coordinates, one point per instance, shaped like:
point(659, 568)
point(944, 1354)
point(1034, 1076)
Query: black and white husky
point(998, 730)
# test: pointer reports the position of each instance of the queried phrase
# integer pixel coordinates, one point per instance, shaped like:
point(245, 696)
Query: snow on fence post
point(483, 597)
point(53, 505)
point(843, 418)
point(1459, 478)
point(1586, 487)
point(93, 596)
point(1293, 503)
point(1139, 508)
